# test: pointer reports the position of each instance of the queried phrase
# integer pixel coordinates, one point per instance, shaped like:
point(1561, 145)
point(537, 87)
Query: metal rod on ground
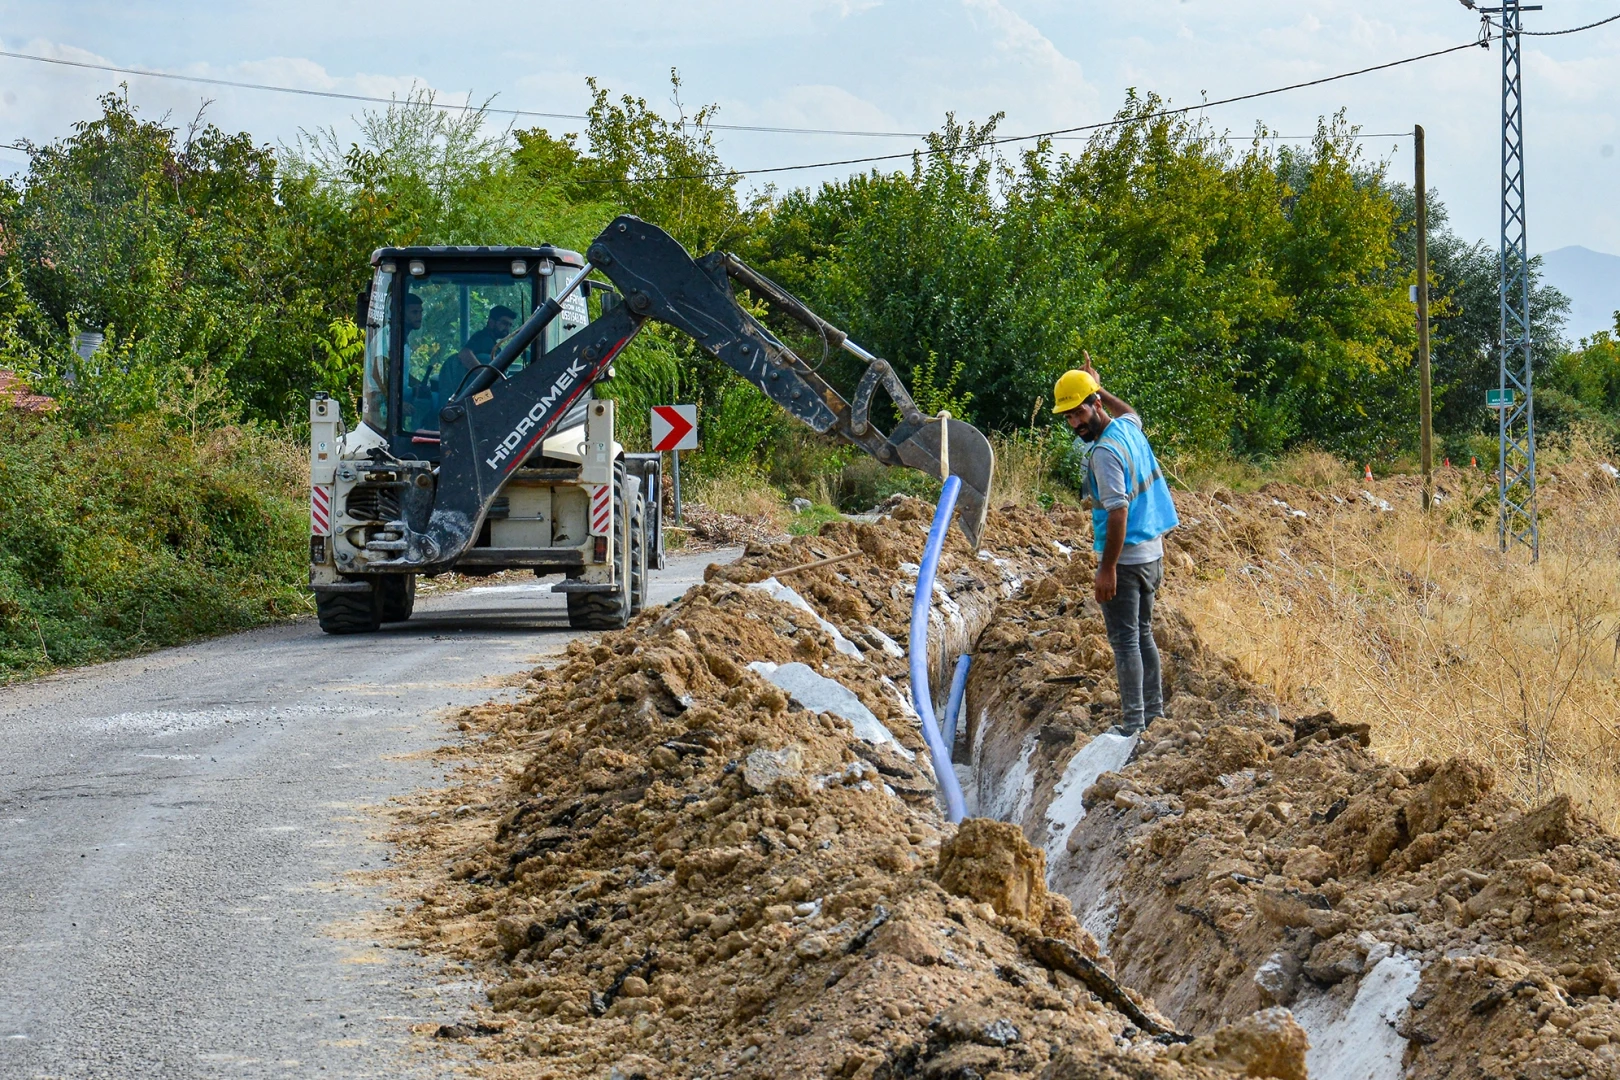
point(677, 474)
point(1425, 399)
point(819, 563)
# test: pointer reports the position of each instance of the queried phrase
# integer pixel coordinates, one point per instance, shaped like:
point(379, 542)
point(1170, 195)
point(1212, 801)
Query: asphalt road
point(179, 835)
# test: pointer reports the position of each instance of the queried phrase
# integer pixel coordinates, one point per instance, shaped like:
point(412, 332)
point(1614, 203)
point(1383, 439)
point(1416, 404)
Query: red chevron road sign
point(674, 427)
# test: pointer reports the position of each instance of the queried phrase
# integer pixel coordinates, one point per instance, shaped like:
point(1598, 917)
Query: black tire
point(597, 611)
point(604, 610)
point(638, 555)
point(349, 613)
point(396, 596)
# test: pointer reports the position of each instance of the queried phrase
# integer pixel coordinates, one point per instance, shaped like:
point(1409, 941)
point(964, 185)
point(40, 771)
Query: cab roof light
point(418, 268)
point(519, 267)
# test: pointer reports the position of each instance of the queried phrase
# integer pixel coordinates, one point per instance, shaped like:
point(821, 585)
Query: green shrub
point(140, 535)
point(737, 428)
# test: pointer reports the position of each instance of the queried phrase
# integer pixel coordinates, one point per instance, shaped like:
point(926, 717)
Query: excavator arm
point(494, 422)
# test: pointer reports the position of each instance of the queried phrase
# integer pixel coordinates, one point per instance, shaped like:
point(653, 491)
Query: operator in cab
point(1131, 512)
point(480, 348)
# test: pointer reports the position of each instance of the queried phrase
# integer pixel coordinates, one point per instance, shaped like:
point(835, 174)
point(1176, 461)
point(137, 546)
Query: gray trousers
point(1129, 618)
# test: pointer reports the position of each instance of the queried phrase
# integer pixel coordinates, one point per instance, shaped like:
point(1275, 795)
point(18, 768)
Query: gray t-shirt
point(1109, 471)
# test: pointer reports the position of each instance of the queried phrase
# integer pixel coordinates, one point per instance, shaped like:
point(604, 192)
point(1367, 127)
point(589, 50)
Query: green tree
point(667, 171)
point(173, 246)
point(1465, 327)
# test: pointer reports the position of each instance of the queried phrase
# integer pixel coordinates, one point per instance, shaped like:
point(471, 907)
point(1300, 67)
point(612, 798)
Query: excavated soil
point(1243, 860)
point(663, 865)
point(660, 863)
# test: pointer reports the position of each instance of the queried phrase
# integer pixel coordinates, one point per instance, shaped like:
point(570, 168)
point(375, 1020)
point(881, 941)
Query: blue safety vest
point(1151, 511)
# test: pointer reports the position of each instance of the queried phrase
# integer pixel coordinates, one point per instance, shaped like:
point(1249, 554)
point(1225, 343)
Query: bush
point(140, 536)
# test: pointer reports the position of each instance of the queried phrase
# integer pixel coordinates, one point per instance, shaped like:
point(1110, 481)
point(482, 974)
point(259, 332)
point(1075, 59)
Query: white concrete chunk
point(1107, 752)
point(785, 594)
point(820, 694)
point(1361, 1043)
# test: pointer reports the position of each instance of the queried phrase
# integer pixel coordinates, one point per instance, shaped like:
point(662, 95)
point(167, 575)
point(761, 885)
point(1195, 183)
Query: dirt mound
point(1232, 861)
point(1253, 867)
point(683, 870)
point(991, 862)
point(709, 845)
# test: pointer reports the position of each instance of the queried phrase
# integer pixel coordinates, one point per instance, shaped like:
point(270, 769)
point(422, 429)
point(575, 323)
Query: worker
point(1131, 512)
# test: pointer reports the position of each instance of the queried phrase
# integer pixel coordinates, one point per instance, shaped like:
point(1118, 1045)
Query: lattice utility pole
point(1514, 400)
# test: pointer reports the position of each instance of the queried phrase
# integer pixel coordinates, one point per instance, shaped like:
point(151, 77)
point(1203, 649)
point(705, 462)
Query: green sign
point(1499, 399)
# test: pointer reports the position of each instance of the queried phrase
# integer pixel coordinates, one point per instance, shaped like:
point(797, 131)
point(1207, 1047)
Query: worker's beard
point(1091, 430)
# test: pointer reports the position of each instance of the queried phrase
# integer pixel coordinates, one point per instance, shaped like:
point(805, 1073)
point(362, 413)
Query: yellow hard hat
point(1072, 389)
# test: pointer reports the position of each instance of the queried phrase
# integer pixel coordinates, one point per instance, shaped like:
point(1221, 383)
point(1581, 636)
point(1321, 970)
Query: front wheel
point(598, 610)
point(349, 612)
point(396, 594)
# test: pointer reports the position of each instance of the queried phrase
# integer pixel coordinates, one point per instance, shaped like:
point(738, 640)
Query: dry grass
point(743, 493)
point(1024, 464)
point(1416, 625)
point(1306, 468)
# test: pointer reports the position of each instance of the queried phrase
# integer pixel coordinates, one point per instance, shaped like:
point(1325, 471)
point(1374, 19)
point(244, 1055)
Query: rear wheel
point(349, 612)
point(598, 610)
point(606, 610)
point(638, 555)
point(396, 595)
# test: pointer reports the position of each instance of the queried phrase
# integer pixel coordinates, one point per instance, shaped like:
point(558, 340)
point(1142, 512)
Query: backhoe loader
point(481, 446)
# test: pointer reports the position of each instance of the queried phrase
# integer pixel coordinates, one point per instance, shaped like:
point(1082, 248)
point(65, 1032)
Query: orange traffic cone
point(1367, 476)
point(1473, 462)
point(1448, 463)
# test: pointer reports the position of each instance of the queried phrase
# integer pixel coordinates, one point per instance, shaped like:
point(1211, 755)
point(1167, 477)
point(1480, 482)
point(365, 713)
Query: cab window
point(378, 330)
point(451, 323)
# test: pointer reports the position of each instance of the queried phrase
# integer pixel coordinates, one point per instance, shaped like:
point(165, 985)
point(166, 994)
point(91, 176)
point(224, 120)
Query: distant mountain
point(1591, 280)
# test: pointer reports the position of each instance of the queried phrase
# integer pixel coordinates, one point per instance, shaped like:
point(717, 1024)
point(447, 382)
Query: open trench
point(714, 849)
point(1040, 750)
point(1228, 860)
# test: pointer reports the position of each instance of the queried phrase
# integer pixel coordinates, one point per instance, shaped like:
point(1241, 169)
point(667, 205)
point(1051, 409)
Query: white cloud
point(1029, 60)
point(894, 65)
point(813, 105)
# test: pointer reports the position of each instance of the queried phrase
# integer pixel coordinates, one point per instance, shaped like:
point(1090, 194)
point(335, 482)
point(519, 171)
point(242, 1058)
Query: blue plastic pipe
point(953, 704)
point(921, 699)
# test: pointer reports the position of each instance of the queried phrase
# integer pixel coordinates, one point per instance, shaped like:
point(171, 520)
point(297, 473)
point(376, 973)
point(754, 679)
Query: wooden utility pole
point(1425, 402)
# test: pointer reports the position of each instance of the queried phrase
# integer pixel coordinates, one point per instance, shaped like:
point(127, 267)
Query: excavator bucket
point(970, 459)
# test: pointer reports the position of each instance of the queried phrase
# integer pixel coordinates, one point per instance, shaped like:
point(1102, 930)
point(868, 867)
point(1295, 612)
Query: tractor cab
point(434, 317)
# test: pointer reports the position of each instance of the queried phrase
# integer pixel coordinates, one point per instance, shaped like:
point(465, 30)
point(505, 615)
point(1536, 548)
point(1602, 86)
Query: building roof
point(14, 392)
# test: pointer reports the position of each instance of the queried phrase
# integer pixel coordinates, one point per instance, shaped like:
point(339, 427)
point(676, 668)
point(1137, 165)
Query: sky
point(874, 65)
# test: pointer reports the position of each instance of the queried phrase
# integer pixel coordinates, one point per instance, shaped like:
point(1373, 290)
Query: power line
point(1268, 137)
point(1099, 126)
point(775, 129)
point(1055, 133)
point(872, 159)
point(1560, 33)
point(1256, 94)
point(339, 95)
